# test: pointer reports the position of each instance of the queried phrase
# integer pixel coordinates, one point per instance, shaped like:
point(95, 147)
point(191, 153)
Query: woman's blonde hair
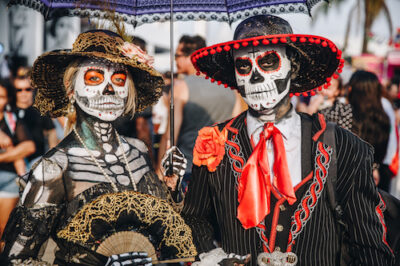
point(69, 80)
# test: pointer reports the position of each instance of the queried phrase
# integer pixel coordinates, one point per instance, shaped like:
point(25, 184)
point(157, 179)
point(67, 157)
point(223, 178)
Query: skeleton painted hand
point(129, 258)
point(218, 257)
point(235, 260)
point(179, 164)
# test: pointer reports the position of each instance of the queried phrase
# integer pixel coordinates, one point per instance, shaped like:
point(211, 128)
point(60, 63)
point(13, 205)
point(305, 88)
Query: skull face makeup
point(101, 89)
point(262, 75)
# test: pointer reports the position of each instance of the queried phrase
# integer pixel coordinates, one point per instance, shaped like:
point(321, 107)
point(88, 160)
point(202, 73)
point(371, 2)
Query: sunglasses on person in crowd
point(24, 89)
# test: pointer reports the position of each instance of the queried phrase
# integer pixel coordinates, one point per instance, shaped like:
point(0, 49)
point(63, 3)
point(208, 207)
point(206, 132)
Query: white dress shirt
point(290, 128)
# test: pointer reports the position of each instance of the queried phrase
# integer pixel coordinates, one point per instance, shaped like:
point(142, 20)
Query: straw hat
point(48, 70)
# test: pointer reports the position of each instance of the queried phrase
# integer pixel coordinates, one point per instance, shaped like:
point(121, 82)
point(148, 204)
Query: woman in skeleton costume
point(80, 192)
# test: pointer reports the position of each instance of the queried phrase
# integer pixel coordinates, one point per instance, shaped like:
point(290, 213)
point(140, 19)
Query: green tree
point(367, 9)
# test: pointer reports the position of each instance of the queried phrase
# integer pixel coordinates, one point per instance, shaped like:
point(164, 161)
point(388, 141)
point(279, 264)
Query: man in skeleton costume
point(262, 178)
point(85, 189)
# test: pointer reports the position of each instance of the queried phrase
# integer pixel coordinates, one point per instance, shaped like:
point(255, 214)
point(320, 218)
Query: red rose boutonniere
point(210, 147)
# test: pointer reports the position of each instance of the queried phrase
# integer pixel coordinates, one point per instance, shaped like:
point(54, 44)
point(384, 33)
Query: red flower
point(210, 147)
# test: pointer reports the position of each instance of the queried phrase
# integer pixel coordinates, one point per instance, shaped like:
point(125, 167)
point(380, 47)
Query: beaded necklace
point(101, 168)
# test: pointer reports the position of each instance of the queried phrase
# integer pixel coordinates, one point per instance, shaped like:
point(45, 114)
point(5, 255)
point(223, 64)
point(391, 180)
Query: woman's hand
point(179, 164)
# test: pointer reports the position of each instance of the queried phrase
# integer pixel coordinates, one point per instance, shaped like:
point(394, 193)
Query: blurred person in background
point(393, 95)
point(370, 121)
point(15, 145)
point(198, 103)
point(160, 113)
point(140, 126)
point(40, 127)
point(330, 103)
point(62, 33)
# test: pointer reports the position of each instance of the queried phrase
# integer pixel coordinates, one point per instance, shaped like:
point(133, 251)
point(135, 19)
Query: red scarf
point(255, 182)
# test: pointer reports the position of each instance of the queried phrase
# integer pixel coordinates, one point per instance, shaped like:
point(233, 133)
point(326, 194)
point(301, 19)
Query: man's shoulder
point(343, 136)
point(232, 122)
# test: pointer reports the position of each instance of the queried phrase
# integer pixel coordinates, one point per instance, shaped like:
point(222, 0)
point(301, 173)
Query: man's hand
point(129, 258)
point(179, 164)
point(5, 140)
point(235, 260)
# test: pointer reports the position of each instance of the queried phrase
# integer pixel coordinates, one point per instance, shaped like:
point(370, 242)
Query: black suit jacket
point(308, 227)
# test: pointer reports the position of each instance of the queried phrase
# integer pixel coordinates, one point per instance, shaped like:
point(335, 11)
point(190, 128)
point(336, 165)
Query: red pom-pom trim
point(305, 94)
point(212, 51)
point(335, 76)
point(274, 40)
point(283, 40)
point(312, 92)
point(198, 73)
point(227, 48)
point(320, 88)
point(256, 43)
point(302, 39)
point(207, 77)
point(219, 49)
point(236, 46)
point(219, 82)
point(311, 40)
point(317, 41)
point(328, 79)
point(245, 44)
point(226, 85)
point(265, 42)
point(290, 94)
point(293, 39)
point(324, 44)
point(212, 80)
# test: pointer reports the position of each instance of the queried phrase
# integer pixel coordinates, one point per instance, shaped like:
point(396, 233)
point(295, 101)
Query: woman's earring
point(71, 108)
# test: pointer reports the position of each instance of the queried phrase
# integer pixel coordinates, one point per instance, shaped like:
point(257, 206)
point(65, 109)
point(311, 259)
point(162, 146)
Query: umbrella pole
point(171, 104)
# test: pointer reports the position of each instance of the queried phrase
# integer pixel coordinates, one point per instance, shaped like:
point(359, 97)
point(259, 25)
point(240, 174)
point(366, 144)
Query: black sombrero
point(319, 58)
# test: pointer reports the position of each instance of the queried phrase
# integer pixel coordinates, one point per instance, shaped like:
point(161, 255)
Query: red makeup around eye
point(269, 61)
point(93, 77)
point(118, 79)
point(243, 66)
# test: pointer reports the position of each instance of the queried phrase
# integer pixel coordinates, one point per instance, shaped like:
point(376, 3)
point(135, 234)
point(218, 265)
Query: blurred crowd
point(361, 104)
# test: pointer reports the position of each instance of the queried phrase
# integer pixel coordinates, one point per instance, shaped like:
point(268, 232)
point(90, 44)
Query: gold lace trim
point(150, 209)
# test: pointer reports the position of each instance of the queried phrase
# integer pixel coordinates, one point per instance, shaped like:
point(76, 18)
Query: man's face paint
point(101, 89)
point(262, 75)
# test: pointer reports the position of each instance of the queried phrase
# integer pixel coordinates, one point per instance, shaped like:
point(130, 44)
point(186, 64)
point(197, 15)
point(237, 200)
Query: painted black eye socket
point(269, 61)
point(243, 66)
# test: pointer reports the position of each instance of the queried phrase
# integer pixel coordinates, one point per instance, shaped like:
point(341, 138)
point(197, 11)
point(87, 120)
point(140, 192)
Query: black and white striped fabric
point(129, 258)
point(211, 203)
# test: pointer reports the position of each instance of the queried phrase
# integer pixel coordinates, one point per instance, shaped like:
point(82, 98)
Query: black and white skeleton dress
point(60, 199)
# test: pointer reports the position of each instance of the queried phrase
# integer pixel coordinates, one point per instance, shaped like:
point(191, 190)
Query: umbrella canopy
point(137, 12)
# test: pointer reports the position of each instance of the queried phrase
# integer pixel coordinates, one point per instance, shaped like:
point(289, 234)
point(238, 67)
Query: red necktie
point(254, 187)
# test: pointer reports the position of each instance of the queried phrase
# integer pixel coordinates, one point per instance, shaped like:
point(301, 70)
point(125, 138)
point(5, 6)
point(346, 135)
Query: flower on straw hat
point(130, 50)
